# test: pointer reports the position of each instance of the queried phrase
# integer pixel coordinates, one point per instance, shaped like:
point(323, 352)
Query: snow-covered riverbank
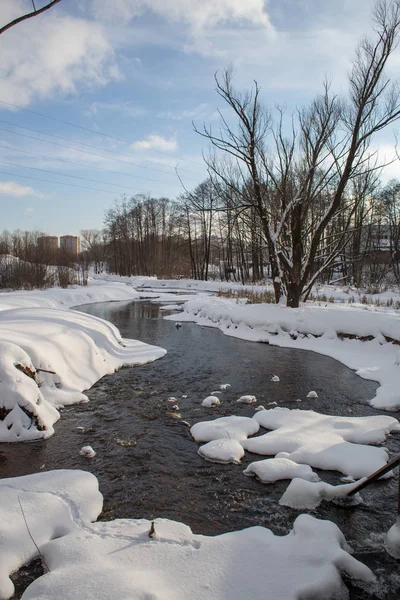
point(50, 354)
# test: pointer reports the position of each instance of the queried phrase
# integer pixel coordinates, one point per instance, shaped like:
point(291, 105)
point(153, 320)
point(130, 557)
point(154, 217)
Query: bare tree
point(29, 15)
point(303, 183)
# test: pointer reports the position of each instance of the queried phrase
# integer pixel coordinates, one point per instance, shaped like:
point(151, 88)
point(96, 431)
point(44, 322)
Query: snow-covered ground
point(50, 354)
point(130, 558)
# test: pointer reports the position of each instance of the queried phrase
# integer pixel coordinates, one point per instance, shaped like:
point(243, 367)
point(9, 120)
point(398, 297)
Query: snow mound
point(274, 469)
point(211, 401)
point(62, 351)
point(324, 441)
point(53, 503)
point(312, 394)
point(247, 399)
point(235, 428)
point(222, 451)
point(120, 560)
point(301, 494)
point(392, 541)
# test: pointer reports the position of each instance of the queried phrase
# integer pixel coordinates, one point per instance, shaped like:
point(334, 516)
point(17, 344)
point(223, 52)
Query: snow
point(224, 386)
point(247, 399)
point(235, 428)
point(118, 559)
point(301, 494)
point(87, 451)
point(312, 394)
point(275, 378)
point(319, 328)
point(77, 348)
point(324, 441)
point(53, 503)
point(274, 469)
point(223, 450)
point(392, 541)
point(211, 401)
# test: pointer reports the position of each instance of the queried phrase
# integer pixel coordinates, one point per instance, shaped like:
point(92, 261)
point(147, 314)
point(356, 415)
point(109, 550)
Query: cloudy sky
point(97, 97)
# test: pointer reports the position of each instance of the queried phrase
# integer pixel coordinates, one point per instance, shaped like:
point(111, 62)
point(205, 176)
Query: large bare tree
point(301, 181)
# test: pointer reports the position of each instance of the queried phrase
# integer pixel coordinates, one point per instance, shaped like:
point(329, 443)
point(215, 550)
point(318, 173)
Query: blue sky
point(140, 71)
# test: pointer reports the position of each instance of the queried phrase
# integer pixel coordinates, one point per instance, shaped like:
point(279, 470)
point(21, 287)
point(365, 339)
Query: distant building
point(48, 243)
point(70, 243)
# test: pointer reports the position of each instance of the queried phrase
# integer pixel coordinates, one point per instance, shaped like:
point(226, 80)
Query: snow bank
point(315, 328)
point(274, 469)
point(77, 349)
point(53, 504)
point(324, 441)
point(235, 428)
point(301, 494)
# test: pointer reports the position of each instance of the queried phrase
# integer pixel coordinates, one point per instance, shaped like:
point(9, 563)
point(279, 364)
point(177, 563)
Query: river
point(147, 462)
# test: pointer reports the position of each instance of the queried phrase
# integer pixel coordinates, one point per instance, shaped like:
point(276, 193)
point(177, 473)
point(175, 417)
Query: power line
point(111, 137)
point(85, 152)
point(64, 160)
point(95, 147)
point(56, 182)
point(6, 162)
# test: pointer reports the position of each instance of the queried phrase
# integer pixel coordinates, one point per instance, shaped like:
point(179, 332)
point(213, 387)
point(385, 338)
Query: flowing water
point(147, 462)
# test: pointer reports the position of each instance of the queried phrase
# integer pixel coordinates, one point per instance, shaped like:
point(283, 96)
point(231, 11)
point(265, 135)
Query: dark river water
point(147, 462)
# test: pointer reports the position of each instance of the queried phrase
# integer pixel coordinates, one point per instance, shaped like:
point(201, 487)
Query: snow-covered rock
point(211, 401)
point(392, 540)
point(235, 428)
point(87, 452)
point(301, 494)
point(223, 450)
point(274, 469)
point(312, 394)
point(275, 378)
point(324, 441)
point(248, 399)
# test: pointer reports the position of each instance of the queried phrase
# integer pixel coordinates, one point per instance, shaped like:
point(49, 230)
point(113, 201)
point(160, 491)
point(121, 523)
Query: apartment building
point(48, 243)
point(70, 243)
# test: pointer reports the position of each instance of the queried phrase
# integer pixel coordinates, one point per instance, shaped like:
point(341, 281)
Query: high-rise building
point(70, 243)
point(48, 243)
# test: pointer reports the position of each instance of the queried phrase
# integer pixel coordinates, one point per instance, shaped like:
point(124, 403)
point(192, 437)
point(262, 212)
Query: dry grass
point(252, 296)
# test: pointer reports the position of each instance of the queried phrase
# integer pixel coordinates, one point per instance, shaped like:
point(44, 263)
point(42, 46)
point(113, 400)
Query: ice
point(235, 428)
point(392, 541)
point(224, 450)
point(274, 469)
point(211, 401)
point(301, 494)
point(247, 399)
point(87, 452)
point(324, 441)
point(312, 394)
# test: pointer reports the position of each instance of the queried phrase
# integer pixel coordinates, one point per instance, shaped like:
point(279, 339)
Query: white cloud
point(126, 109)
point(28, 211)
point(199, 14)
point(12, 188)
point(203, 111)
point(52, 54)
point(155, 142)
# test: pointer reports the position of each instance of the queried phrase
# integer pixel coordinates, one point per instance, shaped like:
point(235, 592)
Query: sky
point(97, 97)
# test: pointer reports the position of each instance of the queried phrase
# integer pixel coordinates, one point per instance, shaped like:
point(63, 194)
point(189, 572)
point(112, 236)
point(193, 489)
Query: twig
point(30, 535)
